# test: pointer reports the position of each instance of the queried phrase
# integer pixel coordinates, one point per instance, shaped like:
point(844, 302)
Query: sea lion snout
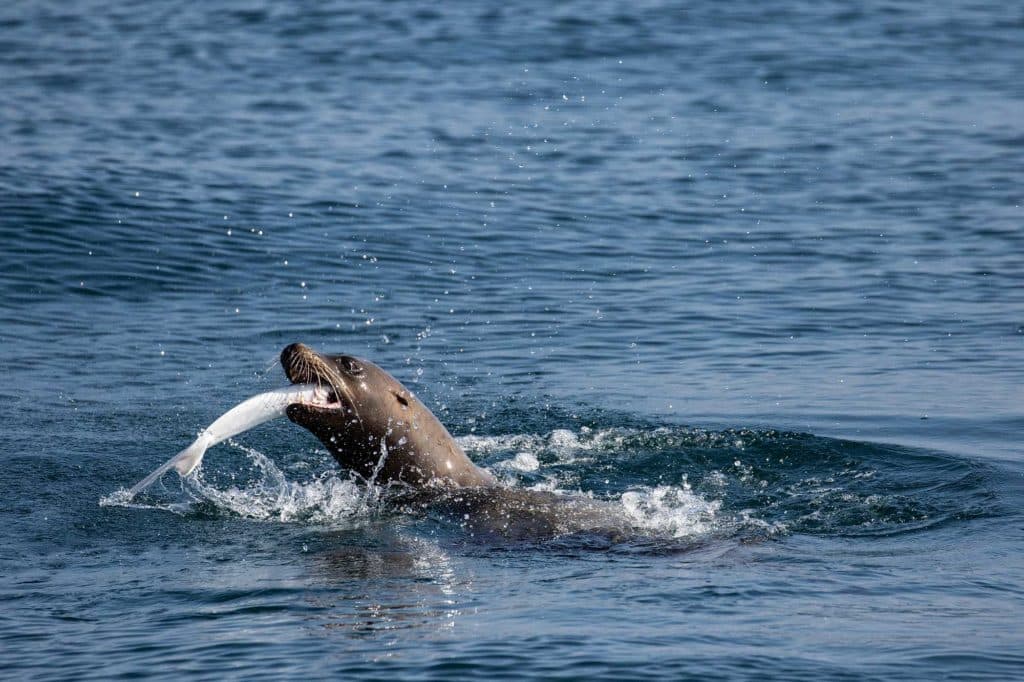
point(302, 364)
point(291, 353)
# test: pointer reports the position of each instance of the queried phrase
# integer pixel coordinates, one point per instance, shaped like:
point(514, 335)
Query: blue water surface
point(751, 273)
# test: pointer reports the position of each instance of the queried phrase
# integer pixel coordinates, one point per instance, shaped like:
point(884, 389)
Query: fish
point(244, 416)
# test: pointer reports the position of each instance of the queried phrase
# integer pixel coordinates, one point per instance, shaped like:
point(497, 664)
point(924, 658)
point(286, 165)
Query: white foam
point(562, 445)
point(672, 510)
point(523, 461)
point(270, 496)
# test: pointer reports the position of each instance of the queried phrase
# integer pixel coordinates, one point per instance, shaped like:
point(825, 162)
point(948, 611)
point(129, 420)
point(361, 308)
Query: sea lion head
point(359, 394)
point(373, 425)
point(366, 416)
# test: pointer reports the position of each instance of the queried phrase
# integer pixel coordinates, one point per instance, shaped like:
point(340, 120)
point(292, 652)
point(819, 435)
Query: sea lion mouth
point(303, 365)
point(324, 398)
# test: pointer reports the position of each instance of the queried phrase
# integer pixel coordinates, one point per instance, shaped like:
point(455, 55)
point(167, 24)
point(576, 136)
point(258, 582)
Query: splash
point(267, 493)
point(242, 417)
point(272, 497)
point(672, 510)
point(661, 482)
point(267, 496)
point(553, 462)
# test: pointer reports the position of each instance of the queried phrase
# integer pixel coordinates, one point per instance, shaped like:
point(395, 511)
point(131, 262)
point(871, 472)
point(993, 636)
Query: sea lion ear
point(402, 400)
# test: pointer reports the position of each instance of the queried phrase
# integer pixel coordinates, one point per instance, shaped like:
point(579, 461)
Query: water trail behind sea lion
point(242, 417)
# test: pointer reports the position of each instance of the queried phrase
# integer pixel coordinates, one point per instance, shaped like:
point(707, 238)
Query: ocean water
point(749, 274)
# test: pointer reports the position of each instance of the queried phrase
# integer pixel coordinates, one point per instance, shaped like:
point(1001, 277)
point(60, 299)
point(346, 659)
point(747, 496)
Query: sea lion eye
point(352, 367)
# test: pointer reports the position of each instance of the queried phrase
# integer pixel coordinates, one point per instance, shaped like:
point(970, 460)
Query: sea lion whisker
point(314, 367)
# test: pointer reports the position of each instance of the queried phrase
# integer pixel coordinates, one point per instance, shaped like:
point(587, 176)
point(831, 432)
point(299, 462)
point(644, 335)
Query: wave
point(673, 483)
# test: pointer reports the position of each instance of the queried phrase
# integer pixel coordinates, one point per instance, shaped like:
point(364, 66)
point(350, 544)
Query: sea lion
point(375, 426)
